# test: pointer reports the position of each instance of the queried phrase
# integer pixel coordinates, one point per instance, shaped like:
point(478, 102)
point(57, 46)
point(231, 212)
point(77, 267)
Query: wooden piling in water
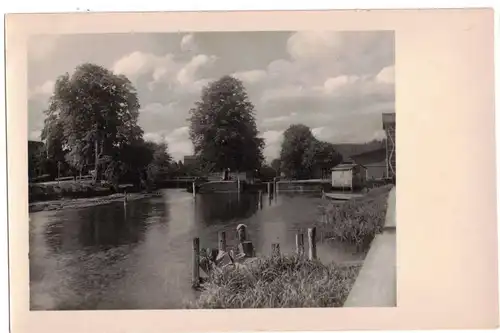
point(311, 235)
point(275, 249)
point(196, 263)
point(222, 241)
point(260, 199)
point(269, 191)
point(299, 243)
point(194, 189)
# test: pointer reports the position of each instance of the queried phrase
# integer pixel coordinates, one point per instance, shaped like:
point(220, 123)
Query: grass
point(66, 190)
point(358, 220)
point(277, 282)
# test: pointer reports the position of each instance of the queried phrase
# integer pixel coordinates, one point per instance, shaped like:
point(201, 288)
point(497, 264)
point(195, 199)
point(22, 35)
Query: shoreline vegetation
point(293, 281)
point(358, 220)
point(277, 282)
point(68, 203)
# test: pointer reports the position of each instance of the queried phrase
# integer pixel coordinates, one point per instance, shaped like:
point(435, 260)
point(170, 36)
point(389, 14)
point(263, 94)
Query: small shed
point(348, 176)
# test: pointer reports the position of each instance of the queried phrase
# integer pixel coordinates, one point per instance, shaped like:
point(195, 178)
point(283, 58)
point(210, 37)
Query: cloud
point(187, 74)
point(44, 90)
point(386, 75)
point(272, 140)
point(188, 43)
point(139, 63)
point(251, 77)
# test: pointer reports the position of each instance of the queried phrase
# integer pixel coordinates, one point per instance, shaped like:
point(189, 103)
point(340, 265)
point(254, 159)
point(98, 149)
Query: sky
point(337, 83)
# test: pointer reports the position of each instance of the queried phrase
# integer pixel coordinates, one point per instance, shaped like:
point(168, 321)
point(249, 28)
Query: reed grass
point(277, 282)
point(358, 220)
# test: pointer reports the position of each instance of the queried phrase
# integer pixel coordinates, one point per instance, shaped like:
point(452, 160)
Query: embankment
point(277, 282)
point(85, 202)
point(357, 220)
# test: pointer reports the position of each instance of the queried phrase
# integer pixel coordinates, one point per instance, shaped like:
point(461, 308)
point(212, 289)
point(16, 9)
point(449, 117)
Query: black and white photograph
point(212, 170)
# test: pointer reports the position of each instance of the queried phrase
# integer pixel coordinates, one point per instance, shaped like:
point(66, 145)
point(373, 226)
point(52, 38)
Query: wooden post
point(275, 185)
point(299, 243)
point(196, 262)
point(241, 229)
point(222, 241)
point(239, 184)
point(246, 247)
point(194, 189)
point(275, 249)
point(260, 199)
point(311, 233)
point(269, 191)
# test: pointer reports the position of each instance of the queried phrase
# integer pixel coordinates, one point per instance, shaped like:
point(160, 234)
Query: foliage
point(302, 154)
point(278, 282)
point(223, 128)
point(321, 155)
point(267, 173)
point(276, 165)
point(358, 220)
point(91, 118)
point(297, 140)
point(160, 163)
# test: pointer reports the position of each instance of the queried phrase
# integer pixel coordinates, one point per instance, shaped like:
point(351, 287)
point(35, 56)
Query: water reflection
point(138, 256)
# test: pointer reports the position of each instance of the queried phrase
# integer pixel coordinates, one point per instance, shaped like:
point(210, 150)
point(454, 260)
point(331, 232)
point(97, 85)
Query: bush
point(277, 282)
point(358, 220)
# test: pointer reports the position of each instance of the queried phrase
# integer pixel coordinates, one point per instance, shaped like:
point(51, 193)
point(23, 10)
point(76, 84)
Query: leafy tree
point(92, 117)
point(302, 154)
point(223, 129)
point(160, 163)
point(321, 156)
point(297, 140)
point(276, 165)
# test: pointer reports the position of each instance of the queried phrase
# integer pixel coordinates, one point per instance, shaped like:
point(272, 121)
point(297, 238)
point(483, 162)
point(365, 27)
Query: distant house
point(348, 176)
point(374, 161)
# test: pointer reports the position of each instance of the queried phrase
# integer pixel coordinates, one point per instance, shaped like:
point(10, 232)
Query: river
point(138, 256)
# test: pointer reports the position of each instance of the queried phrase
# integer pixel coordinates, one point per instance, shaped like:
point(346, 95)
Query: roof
point(346, 166)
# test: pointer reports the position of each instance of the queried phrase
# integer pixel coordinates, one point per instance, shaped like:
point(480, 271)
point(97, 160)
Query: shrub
point(358, 220)
point(277, 282)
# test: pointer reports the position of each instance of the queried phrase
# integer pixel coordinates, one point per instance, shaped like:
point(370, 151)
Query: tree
point(223, 128)
point(161, 162)
point(297, 140)
point(276, 165)
point(92, 117)
point(302, 155)
point(321, 156)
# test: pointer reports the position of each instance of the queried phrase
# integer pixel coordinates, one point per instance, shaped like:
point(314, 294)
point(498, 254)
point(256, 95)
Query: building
point(374, 161)
point(389, 125)
point(348, 176)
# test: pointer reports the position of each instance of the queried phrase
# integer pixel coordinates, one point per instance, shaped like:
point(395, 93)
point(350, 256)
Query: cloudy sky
point(337, 83)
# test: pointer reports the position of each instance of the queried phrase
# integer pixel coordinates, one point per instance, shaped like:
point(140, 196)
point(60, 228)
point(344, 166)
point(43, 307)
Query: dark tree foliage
point(91, 122)
point(297, 140)
point(302, 154)
point(223, 128)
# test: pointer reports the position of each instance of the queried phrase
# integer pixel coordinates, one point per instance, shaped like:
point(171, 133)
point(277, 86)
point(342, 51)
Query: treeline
point(91, 128)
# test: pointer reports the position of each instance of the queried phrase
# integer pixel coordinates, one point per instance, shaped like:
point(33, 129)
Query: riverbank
point(85, 202)
point(277, 282)
point(357, 220)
